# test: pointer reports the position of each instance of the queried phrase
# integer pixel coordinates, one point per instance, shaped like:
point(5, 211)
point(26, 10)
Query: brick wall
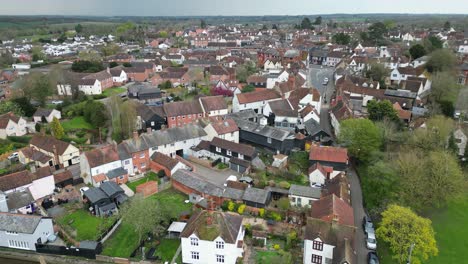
point(148, 188)
point(156, 167)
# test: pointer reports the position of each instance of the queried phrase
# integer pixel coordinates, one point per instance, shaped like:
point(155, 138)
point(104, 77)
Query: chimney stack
point(135, 135)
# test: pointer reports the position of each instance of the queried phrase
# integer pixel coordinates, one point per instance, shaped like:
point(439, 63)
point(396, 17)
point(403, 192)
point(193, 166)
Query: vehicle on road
point(372, 258)
point(367, 225)
point(371, 242)
point(57, 102)
point(325, 81)
point(13, 156)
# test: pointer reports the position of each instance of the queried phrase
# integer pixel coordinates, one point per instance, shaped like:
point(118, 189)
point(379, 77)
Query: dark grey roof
point(245, 114)
point(277, 190)
point(43, 112)
point(116, 173)
point(305, 191)
point(400, 93)
point(195, 182)
point(105, 208)
point(95, 194)
point(233, 194)
point(18, 200)
point(255, 195)
point(266, 131)
point(110, 188)
point(20, 223)
point(313, 127)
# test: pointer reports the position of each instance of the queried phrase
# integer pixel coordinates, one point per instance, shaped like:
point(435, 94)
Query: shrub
point(276, 247)
point(274, 216)
point(231, 206)
point(222, 166)
point(285, 185)
point(99, 96)
point(225, 205)
point(258, 242)
point(20, 139)
point(261, 212)
point(241, 209)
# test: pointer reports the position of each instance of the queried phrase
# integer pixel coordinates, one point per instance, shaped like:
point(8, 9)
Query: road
point(316, 76)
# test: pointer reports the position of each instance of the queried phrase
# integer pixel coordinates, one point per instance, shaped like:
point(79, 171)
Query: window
point(269, 140)
point(194, 241)
point(173, 118)
point(127, 162)
point(183, 117)
point(218, 149)
point(240, 156)
point(229, 153)
point(173, 144)
point(143, 165)
point(11, 233)
point(317, 245)
point(220, 245)
point(154, 148)
point(219, 258)
point(97, 171)
point(317, 259)
point(195, 255)
point(142, 155)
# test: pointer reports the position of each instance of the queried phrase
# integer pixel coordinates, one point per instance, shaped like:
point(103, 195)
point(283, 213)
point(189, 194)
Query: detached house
point(46, 114)
point(21, 231)
point(213, 237)
point(62, 153)
point(12, 125)
point(119, 76)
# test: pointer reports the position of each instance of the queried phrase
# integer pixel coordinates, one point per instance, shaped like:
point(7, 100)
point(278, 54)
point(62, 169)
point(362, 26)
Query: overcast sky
point(226, 7)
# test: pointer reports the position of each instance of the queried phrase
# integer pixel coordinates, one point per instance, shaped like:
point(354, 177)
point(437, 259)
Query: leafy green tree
point(37, 53)
point(379, 184)
point(284, 204)
point(145, 216)
point(89, 55)
point(378, 72)
point(113, 64)
point(318, 20)
point(248, 88)
point(203, 23)
point(441, 60)
point(6, 59)
point(361, 136)
point(436, 42)
point(444, 87)
point(79, 28)
point(400, 228)
point(39, 87)
point(306, 24)
point(379, 110)
point(245, 70)
point(341, 38)
point(10, 106)
point(417, 51)
point(87, 66)
point(27, 108)
point(377, 32)
point(57, 129)
point(447, 25)
point(95, 113)
point(110, 49)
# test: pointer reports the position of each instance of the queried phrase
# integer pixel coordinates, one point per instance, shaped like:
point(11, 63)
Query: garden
point(150, 176)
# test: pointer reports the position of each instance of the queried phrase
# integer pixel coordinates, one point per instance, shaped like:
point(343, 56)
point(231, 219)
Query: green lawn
point(167, 249)
point(122, 243)
point(76, 123)
point(84, 226)
point(151, 176)
point(266, 257)
point(451, 232)
point(114, 91)
point(174, 200)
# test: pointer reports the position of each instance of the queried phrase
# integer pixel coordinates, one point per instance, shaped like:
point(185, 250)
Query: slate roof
point(266, 131)
point(193, 181)
point(20, 223)
point(313, 127)
point(227, 226)
point(255, 195)
point(110, 188)
point(95, 194)
point(40, 112)
point(116, 173)
point(305, 191)
point(18, 200)
point(244, 149)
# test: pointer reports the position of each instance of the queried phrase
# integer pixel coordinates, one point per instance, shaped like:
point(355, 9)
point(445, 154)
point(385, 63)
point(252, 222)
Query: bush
point(225, 205)
point(274, 216)
point(241, 209)
point(285, 185)
point(261, 212)
point(258, 242)
point(222, 166)
point(17, 139)
point(99, 96)
point(276, 247)
point(231, 206)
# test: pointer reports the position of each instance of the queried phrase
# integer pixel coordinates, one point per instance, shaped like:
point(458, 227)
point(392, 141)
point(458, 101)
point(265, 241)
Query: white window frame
point(194, 241)
point(195, 255)
point(219, 258)
point(220, 245)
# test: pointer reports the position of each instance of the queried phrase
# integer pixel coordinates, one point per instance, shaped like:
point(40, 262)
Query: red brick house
point(104, 77)
point(182, 113)
point(121, 58)
point(219, 73)
point(177, 76)
point(137, 74)
point(137, 149)
point(163, 162)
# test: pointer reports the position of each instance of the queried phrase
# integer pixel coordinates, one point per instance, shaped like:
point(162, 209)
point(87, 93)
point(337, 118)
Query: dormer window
point(317, 245)
point(219, 244)
point(194, 241)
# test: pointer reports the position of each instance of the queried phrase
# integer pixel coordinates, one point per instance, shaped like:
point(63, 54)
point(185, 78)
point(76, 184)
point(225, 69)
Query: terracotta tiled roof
point(7, 117)
point(15, 180)
point(101, 156)
point(99, 178)
point(331, 208)
point(263, 95)
point(183, 108)
point(330, 154)
point(211, 103)
point(209, 225)
point(225, 126)
point(164, 160)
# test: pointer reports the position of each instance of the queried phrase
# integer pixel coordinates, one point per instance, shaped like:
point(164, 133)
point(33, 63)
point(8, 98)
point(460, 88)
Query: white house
point(302, 196)
point(24, 231)
point(226, 129)
point(320, 174)
point(328, 242)
point(407, 37)
point(402, 73)
point(61, 152)
point(90, 86)
point(99, 161)
point(254, 100)
point(272, 65)
point(419, 61)
point(276, 77)
point(48, 115)
point(12, 125)
point(214, 105)
point(119, 75)
point(212, 237)
point(21, 66)
point(463, 47)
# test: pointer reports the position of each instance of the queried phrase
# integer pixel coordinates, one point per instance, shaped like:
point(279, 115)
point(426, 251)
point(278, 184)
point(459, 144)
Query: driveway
point(216, 177)
point(357, 203)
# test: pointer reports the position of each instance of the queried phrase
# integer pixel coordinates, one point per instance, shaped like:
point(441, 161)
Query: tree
point(245, 70)
point(95, 113)
point(6, 59)
point(275, 27)
point(145, 216)
point(113, 64)
point(318, 20)
point(79, 28)
point(417, 51)
point(379, 184)
point(379, 110)
point(10, 106)
point(203, 23)
point(441, 60)
point(361, 136)
point(447, 25)
point(444, 87)
point(37, 53)
point(400, 228)
point(377, 31)
point(57, 129)
point(38, 86)
point(87, 66)
point(110, 49)
point(127, 64)
point(436, 43)
point(89, 55)
point(438, 129)
point(128, 117)
point(248, 88)
point(341, 38)
point(25, 105)
point(284, 204)
point(378, 72)
point(306, 24)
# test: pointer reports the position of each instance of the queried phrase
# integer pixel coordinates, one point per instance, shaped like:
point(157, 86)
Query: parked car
point(57, 102)
point(371, 241)
point(317, 185)
point(325, 81)
point(14, 156)
point(367, 225)
point(372, 258)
